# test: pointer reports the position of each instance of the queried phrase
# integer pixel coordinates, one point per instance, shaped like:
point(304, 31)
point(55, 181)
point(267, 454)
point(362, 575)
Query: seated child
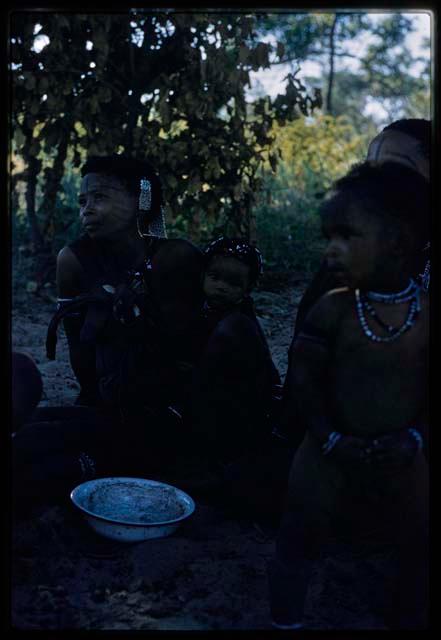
point(360, 367)
point(233, 384)
point(235, 375)
point(232, 268)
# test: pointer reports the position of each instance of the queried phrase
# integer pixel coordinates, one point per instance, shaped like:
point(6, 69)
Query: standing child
point(360, 366)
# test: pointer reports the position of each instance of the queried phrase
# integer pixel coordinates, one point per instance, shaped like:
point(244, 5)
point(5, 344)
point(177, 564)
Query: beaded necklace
point(410, 294)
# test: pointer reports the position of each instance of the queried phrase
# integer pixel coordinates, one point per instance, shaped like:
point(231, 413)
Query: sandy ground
point(211, 574)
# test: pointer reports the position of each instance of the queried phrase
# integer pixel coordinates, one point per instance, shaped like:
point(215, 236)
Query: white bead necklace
point(410, 294)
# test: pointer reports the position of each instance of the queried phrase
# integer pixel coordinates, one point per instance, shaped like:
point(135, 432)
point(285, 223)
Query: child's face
point(226, 281)
point(358, 251)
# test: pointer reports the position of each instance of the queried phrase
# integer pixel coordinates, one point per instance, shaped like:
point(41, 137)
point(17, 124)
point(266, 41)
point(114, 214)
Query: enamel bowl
point(132, 509)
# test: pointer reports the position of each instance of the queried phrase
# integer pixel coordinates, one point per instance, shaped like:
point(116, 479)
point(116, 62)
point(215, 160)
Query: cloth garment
point(98, 268)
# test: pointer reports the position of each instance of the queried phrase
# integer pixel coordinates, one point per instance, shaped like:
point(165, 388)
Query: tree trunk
point(331, 65)
point(31, 188)
point(52, 185)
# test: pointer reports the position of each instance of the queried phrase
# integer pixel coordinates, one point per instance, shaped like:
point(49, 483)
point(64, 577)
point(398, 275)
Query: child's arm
point(311, 354)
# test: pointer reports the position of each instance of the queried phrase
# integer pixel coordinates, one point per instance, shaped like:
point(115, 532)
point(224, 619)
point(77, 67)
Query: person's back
point(360, 368)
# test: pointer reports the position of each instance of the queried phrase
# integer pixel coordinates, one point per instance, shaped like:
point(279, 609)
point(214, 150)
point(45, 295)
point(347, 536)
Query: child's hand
point(349, 450)
point(396, 450)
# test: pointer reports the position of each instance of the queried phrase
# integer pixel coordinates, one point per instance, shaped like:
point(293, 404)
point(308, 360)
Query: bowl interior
point(133, 500)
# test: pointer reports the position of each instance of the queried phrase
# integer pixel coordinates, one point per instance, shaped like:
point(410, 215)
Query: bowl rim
point(191, 505)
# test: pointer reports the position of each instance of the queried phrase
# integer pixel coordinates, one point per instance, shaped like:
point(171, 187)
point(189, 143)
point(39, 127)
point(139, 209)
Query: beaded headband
point(238, 249)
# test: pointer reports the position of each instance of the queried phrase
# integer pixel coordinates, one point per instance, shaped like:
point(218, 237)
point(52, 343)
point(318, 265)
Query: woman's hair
point(390, 190)
point(239, 249)
point(130, 172)
point(418, 128)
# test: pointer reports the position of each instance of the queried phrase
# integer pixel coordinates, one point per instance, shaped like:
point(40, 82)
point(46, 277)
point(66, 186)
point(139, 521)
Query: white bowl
point(132, 509)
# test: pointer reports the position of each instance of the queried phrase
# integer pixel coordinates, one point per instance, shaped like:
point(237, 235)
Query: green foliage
point(317, 151)
point(162, 84)
point(288, 230)
point(383, 72)
point(151, 92)
point(315, 154)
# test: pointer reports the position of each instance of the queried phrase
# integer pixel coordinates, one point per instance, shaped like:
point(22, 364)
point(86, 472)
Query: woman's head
point(118, 194)
point(406, 142)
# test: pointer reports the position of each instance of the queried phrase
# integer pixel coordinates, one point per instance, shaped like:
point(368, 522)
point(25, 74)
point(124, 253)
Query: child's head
point(232, 267)
point(376, 221)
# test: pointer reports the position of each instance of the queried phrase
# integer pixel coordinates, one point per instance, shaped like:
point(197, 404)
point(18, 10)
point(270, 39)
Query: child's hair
point(390, 190)
point(239, 249)
point(418, 128)
point(129, 171)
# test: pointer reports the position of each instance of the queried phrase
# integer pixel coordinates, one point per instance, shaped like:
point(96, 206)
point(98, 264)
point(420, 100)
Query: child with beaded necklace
point(360, 372)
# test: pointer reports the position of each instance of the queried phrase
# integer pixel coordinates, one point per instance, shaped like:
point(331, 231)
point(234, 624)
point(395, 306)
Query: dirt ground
point(211, 574)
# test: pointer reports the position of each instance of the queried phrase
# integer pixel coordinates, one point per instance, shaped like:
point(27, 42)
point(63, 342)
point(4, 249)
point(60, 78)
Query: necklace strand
point(395, 298)
point(410, 294)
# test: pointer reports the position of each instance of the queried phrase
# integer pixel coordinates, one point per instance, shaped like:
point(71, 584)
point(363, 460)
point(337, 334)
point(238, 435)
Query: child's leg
point(411, 599)
point(313, 491)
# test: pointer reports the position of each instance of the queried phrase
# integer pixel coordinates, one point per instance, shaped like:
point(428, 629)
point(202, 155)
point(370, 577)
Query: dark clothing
point(219, 377)
point(322, 282)
point(196, 406)
point(99, 267)
point(179, 389)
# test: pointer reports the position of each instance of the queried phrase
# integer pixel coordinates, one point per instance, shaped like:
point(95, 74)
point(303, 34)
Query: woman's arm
point(82, 356)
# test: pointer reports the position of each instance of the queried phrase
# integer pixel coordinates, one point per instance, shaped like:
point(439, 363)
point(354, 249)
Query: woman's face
point(107, 209)
point(396, 146)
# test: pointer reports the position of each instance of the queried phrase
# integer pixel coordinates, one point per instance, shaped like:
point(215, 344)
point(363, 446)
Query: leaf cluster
point(167, 86)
